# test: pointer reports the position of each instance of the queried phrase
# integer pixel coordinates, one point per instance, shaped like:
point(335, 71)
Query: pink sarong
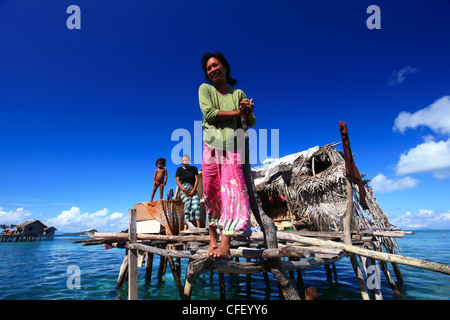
point(226, 198)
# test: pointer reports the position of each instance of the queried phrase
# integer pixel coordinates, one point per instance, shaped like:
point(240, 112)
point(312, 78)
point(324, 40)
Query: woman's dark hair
point(223, 61)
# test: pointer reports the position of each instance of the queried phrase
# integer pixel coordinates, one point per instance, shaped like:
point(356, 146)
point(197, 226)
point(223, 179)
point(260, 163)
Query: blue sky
point(85, 113)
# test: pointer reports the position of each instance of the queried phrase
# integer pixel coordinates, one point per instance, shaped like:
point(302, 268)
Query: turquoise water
point(39, 271)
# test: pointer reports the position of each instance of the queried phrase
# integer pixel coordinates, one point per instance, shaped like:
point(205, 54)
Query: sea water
point(44, 270)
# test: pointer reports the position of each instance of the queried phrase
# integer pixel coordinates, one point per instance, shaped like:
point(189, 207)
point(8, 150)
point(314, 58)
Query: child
point(160, 177)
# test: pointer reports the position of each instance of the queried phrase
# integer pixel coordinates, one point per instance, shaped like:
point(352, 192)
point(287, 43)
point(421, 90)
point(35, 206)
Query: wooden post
point(187, 284)
point(222, 286)
point(176, 277)
point(148, 267)
point(348, 240)
point(383, 266)
point(249, 280)
point(132, 257)
point(368, 266)
point(397, 273)
point(268, 227)
point(123, 271)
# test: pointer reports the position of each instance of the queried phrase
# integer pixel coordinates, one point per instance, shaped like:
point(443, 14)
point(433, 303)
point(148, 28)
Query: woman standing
point(225, 193)
point(187, 181)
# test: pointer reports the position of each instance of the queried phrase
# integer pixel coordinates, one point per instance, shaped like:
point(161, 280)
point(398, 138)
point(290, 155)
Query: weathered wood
point(222, 286)
point(383, 256)
point(265, 222)
point(122, 272)
point(383, 266)
point(121, 236)
point(132, 259)
point(187, 291)
point(148, 267)
point(348, 240)
point(240, 252)
point(208, 263)
point(176, 276)
point(340, 235)
point(159, 251)
point(368, 268)
point(266, 253)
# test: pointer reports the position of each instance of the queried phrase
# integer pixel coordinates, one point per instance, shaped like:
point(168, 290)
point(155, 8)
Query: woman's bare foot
point(223, 251)
point(213, 238)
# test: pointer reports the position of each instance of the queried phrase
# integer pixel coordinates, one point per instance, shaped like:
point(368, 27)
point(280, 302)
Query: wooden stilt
point(249, 281)
point(176, 277)
point(162, 266)
point(384, 268)
point(269, 230)
point(187, 284)
point(333, 267)
point(266, 279)
point(348, 240)
point(328, 272)
point(123, 273)
point(372, 273)
point(397, 273)
point(222, 286)
point(148, 267)
point(132, 259)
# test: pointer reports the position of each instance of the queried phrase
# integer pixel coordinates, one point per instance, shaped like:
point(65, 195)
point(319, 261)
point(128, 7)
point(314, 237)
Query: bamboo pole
point(132, 259)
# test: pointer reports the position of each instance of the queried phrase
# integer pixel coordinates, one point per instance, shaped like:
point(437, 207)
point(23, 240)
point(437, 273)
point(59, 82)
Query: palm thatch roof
point(313, 183)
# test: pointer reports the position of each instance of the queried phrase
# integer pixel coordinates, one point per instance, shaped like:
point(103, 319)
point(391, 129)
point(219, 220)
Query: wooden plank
point(121, 236)
point(132, 259)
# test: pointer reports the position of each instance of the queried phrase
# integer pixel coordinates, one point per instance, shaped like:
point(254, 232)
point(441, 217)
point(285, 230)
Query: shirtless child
point(160, 177)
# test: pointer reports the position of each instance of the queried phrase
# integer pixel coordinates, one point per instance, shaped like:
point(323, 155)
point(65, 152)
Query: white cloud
point(426, 213)
point(381, 184)
point(75, 220)
point(14, 217)
point(424, 219)
point(398, 77)
point(429, 156)
point(436, 116)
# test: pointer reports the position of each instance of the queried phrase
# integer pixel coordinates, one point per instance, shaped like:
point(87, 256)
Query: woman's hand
point(246, 109)
point(246, 106)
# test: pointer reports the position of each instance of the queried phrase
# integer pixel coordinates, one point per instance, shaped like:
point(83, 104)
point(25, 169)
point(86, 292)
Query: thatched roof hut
point(309, 188)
